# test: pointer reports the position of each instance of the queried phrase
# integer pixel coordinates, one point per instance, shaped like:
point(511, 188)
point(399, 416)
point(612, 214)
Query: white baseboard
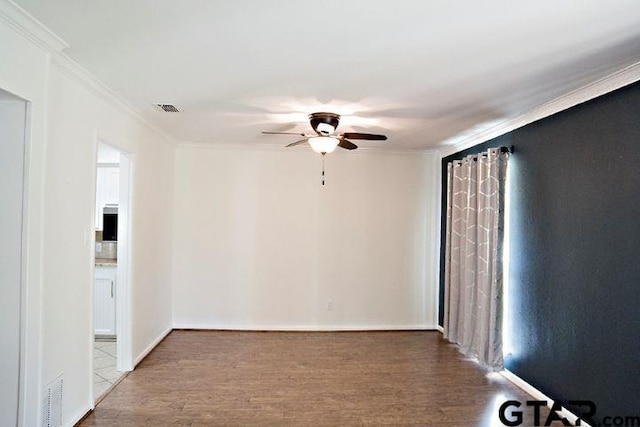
point(284, 328)
point(538, 395)
point(150, 347)
point(83, 412)
point(305, 328)
point(75, 419)
point(440, 329)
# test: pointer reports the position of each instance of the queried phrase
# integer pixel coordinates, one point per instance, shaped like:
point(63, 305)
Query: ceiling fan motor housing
point(330, 119)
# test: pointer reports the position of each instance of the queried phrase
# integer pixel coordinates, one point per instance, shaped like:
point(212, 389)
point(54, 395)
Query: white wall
point(66, 119)
point(78, 118)
point(259, 243)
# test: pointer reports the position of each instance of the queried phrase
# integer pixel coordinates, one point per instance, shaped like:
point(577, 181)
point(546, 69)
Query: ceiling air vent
point(168, 108)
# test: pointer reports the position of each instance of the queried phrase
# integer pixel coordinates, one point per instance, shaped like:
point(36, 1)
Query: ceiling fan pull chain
point(322, 168)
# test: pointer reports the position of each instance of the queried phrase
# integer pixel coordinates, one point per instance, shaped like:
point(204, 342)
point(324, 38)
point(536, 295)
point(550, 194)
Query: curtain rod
point(502, 150)
point(507, 149)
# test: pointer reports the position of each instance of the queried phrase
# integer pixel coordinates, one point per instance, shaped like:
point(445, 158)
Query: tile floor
point(104, 367)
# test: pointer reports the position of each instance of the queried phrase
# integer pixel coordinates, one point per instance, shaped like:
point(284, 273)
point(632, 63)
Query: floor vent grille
point(52, 403)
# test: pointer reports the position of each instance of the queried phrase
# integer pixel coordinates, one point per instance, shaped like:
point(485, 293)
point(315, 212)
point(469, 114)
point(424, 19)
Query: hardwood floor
point(211, 378)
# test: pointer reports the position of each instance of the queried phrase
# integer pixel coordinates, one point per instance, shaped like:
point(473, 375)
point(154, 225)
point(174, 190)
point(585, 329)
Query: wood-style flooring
point(225, 378)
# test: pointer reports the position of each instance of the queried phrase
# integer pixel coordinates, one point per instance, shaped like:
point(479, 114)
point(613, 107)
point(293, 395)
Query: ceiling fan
point(325, 140)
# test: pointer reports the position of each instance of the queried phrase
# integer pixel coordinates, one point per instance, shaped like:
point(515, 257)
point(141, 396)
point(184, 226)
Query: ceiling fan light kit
point(323, 144)
point(325, 140)
point(324, 125)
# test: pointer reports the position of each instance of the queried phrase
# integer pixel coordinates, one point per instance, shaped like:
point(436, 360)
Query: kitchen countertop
point(106, 262)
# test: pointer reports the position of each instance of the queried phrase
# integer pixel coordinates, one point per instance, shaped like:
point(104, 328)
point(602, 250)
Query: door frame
point(24, 242)
point(123, 274)
point(24, 267)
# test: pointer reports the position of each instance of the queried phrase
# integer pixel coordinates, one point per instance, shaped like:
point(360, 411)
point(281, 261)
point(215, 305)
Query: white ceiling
point(419, 71)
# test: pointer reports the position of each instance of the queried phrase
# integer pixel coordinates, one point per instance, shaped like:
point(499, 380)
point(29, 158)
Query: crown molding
point(36, 32)
point(609, 83)
point(253, 146)
point(74, 70)
point(230, 146)
point(28, 26)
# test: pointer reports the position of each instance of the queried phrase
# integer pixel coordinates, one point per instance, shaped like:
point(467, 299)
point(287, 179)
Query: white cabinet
point(104, 300)
point(107, 189)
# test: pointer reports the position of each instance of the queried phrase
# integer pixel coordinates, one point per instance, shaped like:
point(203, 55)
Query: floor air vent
point(52, 403)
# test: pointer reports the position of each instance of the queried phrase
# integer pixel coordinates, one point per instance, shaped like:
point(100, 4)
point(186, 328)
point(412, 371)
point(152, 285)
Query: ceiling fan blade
point(347, 144)
point(283, 133)
point(369, 136)
point(293, 144)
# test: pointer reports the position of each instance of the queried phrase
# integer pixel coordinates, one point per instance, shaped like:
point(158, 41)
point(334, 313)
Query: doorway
point(13, 137)
point(111, 348)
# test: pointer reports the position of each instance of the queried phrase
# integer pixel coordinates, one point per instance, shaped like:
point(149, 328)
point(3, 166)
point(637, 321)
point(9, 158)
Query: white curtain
point(473, 266)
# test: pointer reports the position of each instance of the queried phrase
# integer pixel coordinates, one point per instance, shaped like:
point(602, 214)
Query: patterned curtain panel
point(473, 266)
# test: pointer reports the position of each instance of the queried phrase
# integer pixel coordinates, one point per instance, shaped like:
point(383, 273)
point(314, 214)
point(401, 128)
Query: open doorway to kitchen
point(13, 143)
point(111, 344)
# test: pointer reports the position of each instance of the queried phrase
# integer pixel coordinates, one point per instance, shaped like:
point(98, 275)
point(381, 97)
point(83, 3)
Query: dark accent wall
point(574, 277)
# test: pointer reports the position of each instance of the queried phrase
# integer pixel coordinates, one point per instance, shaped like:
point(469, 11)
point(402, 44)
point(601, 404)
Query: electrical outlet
point(330, 305)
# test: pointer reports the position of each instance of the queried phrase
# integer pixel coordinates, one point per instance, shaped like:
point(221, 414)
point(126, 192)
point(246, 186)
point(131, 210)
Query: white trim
point(151, 346)
point(304, 328)
point(74, 70)
point(600, 87)
point(437, 241)
point(279, 328)
point(440, 329)
point(91, 247)
point(273, 146)
point(29, 27)
point(124, 328)
point(80, 414)
point(538, 395)
point(525, 386)
point(24, 107)
point(39, 34)
point(24, 267)
point(34, 186)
